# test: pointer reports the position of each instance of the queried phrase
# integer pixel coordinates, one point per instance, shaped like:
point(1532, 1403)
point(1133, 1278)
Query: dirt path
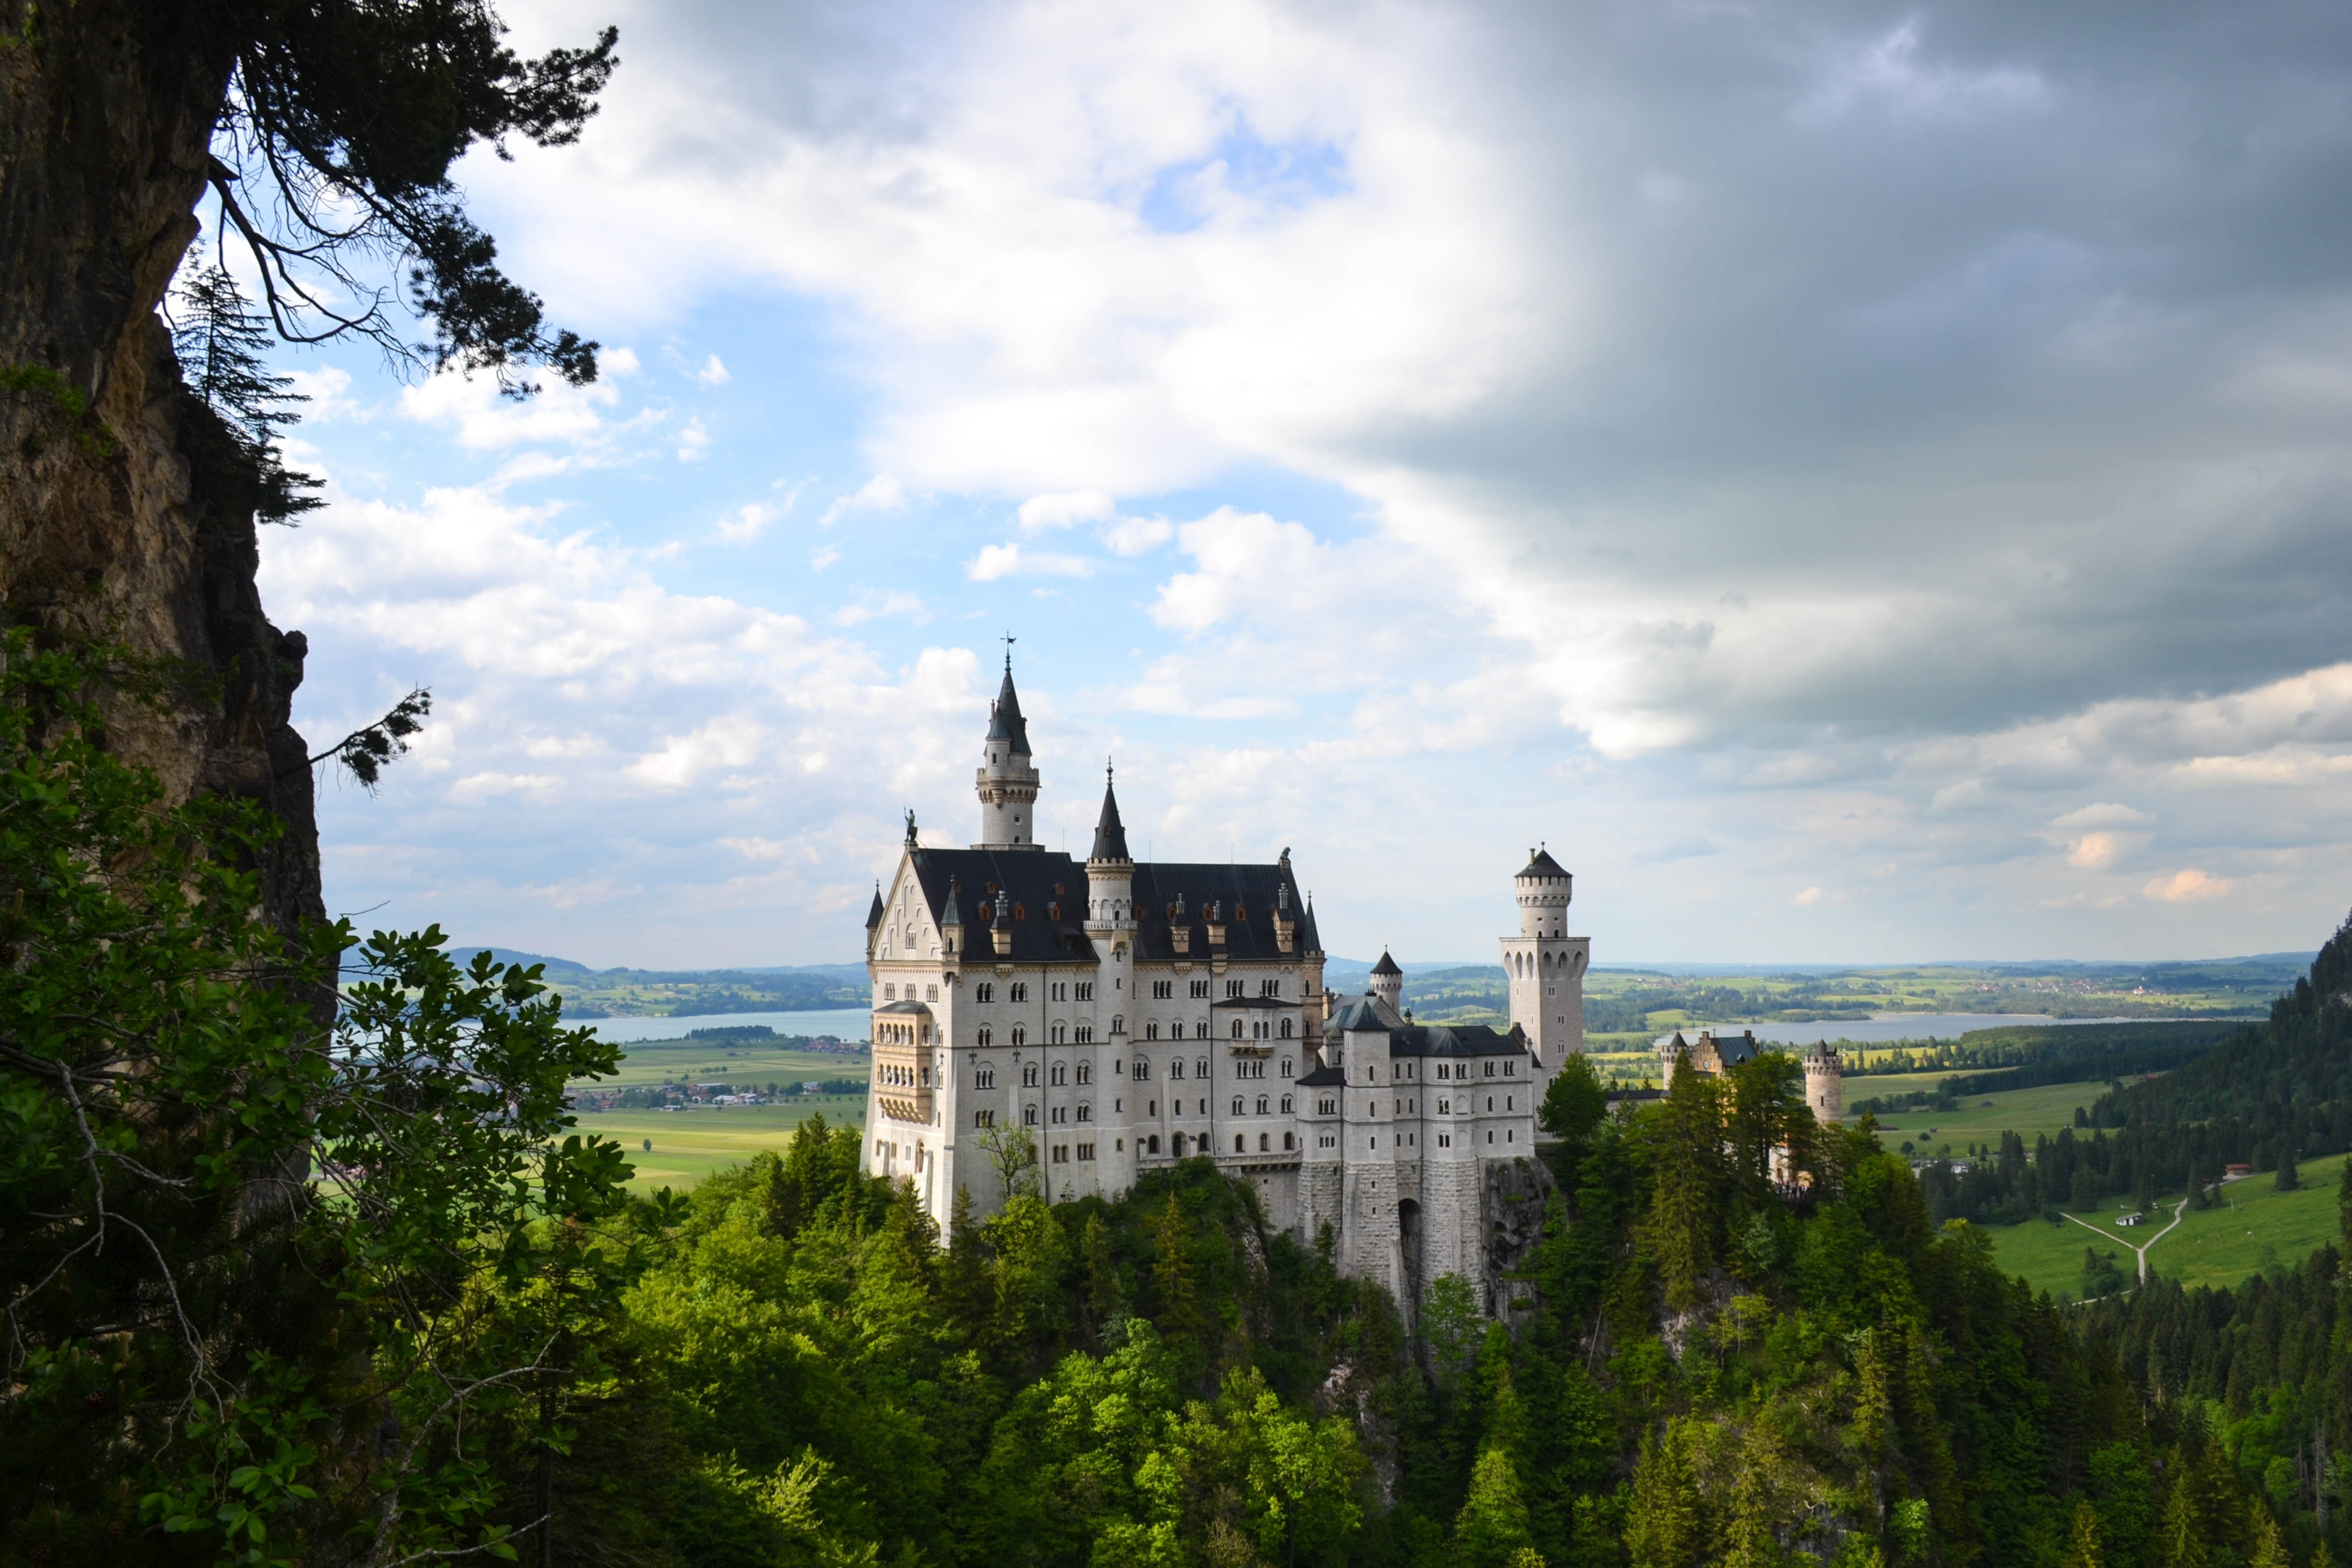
point(2178, 1210)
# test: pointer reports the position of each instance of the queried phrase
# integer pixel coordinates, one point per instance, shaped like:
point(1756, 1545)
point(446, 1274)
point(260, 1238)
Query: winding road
point(2178, 1210)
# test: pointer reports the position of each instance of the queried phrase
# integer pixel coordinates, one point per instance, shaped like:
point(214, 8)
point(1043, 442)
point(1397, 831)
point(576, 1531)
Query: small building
point(2236, 1173)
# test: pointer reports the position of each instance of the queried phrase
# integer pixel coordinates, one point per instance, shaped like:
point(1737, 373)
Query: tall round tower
point(1825, 1084)
point(1544, 891)
point(1388, 981)
point(1008, 780)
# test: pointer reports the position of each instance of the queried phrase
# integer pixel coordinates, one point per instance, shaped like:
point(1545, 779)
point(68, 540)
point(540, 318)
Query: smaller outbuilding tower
point(1388, 982)
point(1825, 1083)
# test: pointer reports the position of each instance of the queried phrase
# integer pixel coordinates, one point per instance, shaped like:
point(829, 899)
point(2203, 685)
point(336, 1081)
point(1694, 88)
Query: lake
point(841, 1022)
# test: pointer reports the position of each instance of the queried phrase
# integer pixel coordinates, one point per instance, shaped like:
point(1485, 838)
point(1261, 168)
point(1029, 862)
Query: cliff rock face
point(105, 111)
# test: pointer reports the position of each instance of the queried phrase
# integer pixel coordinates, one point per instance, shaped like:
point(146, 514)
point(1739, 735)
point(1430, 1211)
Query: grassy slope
point(708, 1062)
point(688, 1145)
point(2212, 1246)
point(1982, 1119)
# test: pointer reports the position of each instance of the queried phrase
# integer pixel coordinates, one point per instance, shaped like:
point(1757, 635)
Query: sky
point(1859, 483)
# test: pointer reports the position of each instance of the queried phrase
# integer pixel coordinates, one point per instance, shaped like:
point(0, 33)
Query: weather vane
point(1008, 640)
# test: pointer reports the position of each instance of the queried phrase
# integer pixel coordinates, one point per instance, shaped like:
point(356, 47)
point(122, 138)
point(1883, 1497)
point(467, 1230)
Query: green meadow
point(717, 1062)
point(1980, 1119)
point(688, 1145)
point(2256, 1228)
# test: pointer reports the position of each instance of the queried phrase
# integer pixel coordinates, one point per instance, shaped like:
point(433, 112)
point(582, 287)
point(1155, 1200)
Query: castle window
point(983, 1117)
point(1176, 1068)
point(1490, 1069)
point(1028, 1116)
point(1059, 989)
point(1086, 1034)
point(1201, 990)
point(1240, 1144)
point(1237, 1029)
point(1117, 1024)
point(1286, 1067)
point(1061, 1114)
point(1201, 1067)
point(1445, 1107)
point(889, 992)
point(1086, 1072)
point(1285, 1105)
point(1285, 1028)
point(983, 1076)
point(1021, 991)
point(931, 992)
point(1142, 1069)
point(1085, 1152)
point(1237, 1105)
point(1085, 1111)
point(1021, 912)
point(1029, 1076)
point(1233, 988)
point(1269, 988)
point(1153, 1144)
point(1200, 1029)
point(1162, 990)
point(1510, 1067)
point(1020, 1035)
point(1061, 1075)
point(1261, 1105)
point(1152, 1030)
point(1059, 1030)
point(1327, 1108)
point(986, 993)
point(986, 1037)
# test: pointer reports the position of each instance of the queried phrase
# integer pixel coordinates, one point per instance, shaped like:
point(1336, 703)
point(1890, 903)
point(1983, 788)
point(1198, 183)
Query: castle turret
point(1008, 780)
point(1110, 910)
point(1388, 981)
point(1546, 966)
point(1825, 1083)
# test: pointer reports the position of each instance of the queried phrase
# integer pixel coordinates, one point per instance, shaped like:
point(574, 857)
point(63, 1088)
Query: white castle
point(1128, 1016)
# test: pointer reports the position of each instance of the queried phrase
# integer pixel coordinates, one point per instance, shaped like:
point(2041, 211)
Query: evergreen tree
point(1492, 1527)
point(2267, 1549)
point(1667, 1525)
point(221, 345)
point(1102, 1269)
point(2180, 1537)
point(2082, 1539)
point(1179, 1317)
point(1684, 1135)
point(2289, 1178)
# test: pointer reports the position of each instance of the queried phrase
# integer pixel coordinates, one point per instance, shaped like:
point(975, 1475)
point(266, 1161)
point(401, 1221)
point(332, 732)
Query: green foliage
point(244, 1211)
point(66, 406)
point(243, 408)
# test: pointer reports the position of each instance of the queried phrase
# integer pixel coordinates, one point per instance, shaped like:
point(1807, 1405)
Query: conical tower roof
point(1110, 834)
point(1387, 966)
point(874, 915)
point(1004, 720)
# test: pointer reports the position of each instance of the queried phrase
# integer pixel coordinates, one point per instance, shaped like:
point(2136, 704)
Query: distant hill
point(673, 993)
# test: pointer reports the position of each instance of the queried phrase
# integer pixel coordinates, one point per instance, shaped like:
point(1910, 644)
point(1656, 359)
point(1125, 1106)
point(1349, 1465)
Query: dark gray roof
point(1110, 834)
point(874, 915)
point(1037, 882)
point(1355, 1018)
point(1541, 864)
point(909, 1006)
point(1004, 720)
point(1455, 1040)
point(1320, 1077)
point(1387, 966)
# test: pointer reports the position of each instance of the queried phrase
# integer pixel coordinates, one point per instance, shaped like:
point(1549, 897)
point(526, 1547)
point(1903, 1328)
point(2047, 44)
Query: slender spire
point(1004, 720)
point(1110, 834)
point(874, 915)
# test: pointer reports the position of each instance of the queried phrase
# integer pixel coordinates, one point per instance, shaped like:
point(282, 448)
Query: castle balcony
point(905, 1036)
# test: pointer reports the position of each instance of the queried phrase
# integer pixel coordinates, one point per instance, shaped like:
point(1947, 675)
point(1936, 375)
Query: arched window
point(1264, 1142)
point(1060, 1032)
point(1286, 1140)
point(1029, 1116)
point(1176, 1068)
point(1286, 1067)
point(987, 1036)
point(1285, 1105)
point(1285, 1028)
point(1029, 1076)
point(1237, 1029)
point(1154, 1142)
point(1176, 1144)
point(984, 1075)
point(1085, 1111)
point(1200, 1029)
point(1261, 1105)
point(1061, 1075)
point(1020, 1035)
point(1152, 1030)
point(1237, 1105)
point(1119, 1023)
point(1240, 1146)
point(1142, 1069)
point(986, 994)
point(1086, 1072)
point(1201, 1067)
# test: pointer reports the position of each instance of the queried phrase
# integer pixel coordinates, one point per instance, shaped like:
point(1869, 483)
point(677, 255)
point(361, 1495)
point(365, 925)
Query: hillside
point(625, 993)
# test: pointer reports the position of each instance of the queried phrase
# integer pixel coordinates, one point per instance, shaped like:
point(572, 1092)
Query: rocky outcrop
point(1510, 1219)
point(106, 107)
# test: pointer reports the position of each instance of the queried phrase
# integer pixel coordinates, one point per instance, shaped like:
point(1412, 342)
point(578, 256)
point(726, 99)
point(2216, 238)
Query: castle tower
point(1388, 981)
point(1546, 966)
point(1008, 780)
point(1110, 912)
point(1825, 1084)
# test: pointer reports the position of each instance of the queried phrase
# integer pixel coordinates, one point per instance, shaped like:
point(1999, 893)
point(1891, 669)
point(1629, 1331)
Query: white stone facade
point(1129, 1016)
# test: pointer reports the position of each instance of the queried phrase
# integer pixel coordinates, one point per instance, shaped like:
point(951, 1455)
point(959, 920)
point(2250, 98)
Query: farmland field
point(1981, 1117)
point(2259, 1228)
point(730, 1061)
point(688, 1145)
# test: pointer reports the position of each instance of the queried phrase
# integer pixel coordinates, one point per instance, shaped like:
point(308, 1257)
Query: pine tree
point(2263, 1532)
point(2289, 1178)
point(1687, 1133)
point(2181, 1538)
point(1666, 1527)
point(1102, 1269)
point(220, 342)
point(1755, 1517)
point(1179, 1317)
point(2082, 1541)
point(1492, 1528)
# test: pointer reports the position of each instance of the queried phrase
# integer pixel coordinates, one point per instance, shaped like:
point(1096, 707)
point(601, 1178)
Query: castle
point(1714, 1054)
point(1128, 1015)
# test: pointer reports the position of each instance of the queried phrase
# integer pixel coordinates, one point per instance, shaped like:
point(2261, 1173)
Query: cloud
point(883, 493)
point(743, 525)
point(712, 373)
point(693, 442)
point(871, 605)
point(1011, 560)
point(1040, 512)
point(2183, 887)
